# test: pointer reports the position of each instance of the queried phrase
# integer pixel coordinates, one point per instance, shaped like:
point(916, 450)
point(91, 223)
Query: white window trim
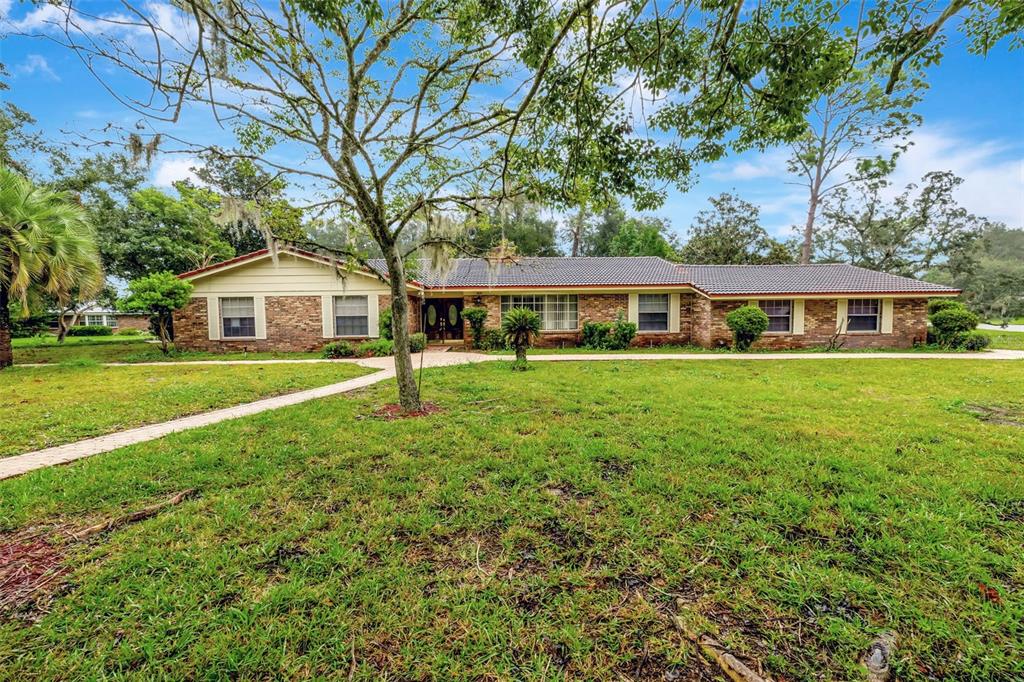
point(501, 312)
point(756, 303)
point(213, 318)
point(879, 326)
point(372, 316)
point(668, 328)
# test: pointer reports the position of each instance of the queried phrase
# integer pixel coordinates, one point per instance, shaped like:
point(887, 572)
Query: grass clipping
point(32, 562)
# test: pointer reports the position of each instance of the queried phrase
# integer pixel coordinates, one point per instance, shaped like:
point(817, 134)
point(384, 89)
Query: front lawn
point(1008, 340)
point(45, 349)
point(548, 525)
point(54, 405)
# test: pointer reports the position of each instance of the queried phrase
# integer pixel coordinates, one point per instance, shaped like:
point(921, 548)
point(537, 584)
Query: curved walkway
point(61, 454)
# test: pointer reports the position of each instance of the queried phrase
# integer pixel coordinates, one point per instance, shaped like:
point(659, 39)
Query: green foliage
point(747, 324)
point(975, 340)
point(613, 232)
point(493, 339)
point(339, 349)
point(159, 294)
point(417, 342)
point(477, 317)
point(951, 324)
point(386, 330)
point(520, 326)
point(730, 233)
point(377, 348)
point(130, 331)
point(90, 330)
point(937, 304)
point(609, 335)
point(518, 222)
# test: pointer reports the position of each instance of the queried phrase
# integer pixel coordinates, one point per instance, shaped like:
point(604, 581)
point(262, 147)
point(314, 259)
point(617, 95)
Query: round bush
point(976, 341)
point(747, 325)
point(937, 304)
point(417, 342)
point(339, 349)
point(952, 321)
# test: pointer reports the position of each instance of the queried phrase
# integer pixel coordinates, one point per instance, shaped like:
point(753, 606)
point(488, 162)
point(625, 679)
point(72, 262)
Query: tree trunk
point(161, 321)
point(807, 250)
point(6, 352)
point(408, 392)
point(521, 355)
point(63, 325)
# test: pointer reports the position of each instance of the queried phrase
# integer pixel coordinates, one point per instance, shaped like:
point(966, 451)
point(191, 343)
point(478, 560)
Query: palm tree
point(520, 325)
point(46, 243)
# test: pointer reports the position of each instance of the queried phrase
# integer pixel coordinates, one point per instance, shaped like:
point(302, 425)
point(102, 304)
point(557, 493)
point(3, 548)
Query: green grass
point(1015, 320)
point(545, 524)
point(122, 349)
point(1007, 340)
point(54, 405)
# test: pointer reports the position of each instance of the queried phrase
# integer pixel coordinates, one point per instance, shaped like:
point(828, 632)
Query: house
point(303, 300)
point(95, 314)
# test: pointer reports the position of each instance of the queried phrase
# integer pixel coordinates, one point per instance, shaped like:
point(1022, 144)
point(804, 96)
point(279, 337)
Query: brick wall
point(293, 324)
point(133, 322)
point(415, 313)
point(909, 326)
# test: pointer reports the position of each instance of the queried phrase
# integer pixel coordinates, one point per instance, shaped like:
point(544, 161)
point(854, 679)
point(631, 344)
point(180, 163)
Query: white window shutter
point(213, 318)
point(259, 308)
point(886, 316)
point(798, 316)
point(841, 316)
point(673, 313)
point(633, 309)
point(372, 316)
point(327, 315)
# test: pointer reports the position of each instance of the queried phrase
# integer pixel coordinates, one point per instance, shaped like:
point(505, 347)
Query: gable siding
point(291, 276)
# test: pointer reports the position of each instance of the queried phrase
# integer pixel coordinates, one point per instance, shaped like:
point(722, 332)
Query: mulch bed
point(394, 411)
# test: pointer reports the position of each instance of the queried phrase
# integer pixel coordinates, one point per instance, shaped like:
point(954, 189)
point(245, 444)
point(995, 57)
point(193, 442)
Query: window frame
point(223, 328)
point(877, 315)
point(640, 313)
point(558, 307)
point(105, 320)
point(788, 316)
point(336, 317)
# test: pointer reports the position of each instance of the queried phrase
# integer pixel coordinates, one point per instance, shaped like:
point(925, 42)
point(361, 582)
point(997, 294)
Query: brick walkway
point(20, 464)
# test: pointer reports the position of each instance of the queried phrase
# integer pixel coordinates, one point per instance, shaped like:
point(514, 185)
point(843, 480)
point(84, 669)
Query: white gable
point(290, 276)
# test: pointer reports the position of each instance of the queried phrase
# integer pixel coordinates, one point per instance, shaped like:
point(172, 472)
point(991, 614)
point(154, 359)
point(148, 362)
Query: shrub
point(90, 330)
point(384, 324)
point(622, 333)
point(417, 342)
point(339, 349)
point(609, 335)
point(377, 349)
point(976, 341)
point(476, 317)
point(747, 325)
point(951, 324)
point(937, 304)
point(520, 326)
point(130, 331)
point(595, 335)
point(493, 339)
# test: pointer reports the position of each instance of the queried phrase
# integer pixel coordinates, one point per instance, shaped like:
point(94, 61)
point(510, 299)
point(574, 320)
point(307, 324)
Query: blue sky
point(973, 125)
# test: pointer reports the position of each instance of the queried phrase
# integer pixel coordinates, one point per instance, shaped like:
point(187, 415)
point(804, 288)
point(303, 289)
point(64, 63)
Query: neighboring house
point(303, 301)
point(95, 314)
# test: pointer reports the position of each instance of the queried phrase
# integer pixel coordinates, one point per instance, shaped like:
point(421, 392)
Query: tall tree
point(411, 110)
point(730, 233)
point(920, 228)
point(18, 140)
point(46, 243)
point(519, 222)
point(855, 129)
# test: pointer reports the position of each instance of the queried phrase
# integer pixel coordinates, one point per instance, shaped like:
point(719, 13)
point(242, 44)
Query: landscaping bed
point(550, 524)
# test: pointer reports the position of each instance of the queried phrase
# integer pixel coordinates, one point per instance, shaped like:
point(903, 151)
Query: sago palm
point(519, 326)
point(47, 244)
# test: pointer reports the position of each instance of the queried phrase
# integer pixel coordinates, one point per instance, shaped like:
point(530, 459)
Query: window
point(862, 315)
point(351, 316)
point(557, 312)
point(101, 320)
point(653, 313)
point(238, 317)
point(780, 315)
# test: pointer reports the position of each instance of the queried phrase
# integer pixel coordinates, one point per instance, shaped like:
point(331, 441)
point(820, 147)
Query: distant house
point(303, 301)
point(96, 314)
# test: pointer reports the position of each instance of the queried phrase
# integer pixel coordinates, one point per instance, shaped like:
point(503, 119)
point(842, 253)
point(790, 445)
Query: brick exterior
point(293, 324)
point(415, 310)
point(591, 308)
point(133, 322)
point(909, 326)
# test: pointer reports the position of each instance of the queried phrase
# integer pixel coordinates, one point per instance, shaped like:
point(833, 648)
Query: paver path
point(20, 464)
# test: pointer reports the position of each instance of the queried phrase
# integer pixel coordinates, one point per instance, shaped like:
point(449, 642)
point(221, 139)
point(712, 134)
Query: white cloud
point(993, 171)
point(169, 171)
point(36, 65)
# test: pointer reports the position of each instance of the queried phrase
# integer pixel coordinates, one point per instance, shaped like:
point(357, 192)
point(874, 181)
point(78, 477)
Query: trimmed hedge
point(747, 324)
point(90, 330)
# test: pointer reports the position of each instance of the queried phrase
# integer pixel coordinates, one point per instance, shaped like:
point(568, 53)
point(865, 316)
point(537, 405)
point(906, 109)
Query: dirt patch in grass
point(395, 411)
point(997, 414)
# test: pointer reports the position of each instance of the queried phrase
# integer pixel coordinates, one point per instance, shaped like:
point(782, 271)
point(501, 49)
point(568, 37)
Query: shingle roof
point(541, 272)
point(825, 278)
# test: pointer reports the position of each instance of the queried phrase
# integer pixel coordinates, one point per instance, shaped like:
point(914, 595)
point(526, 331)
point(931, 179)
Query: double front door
point(442, 318)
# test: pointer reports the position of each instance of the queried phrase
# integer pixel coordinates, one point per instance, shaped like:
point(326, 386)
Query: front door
point(442, 318)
